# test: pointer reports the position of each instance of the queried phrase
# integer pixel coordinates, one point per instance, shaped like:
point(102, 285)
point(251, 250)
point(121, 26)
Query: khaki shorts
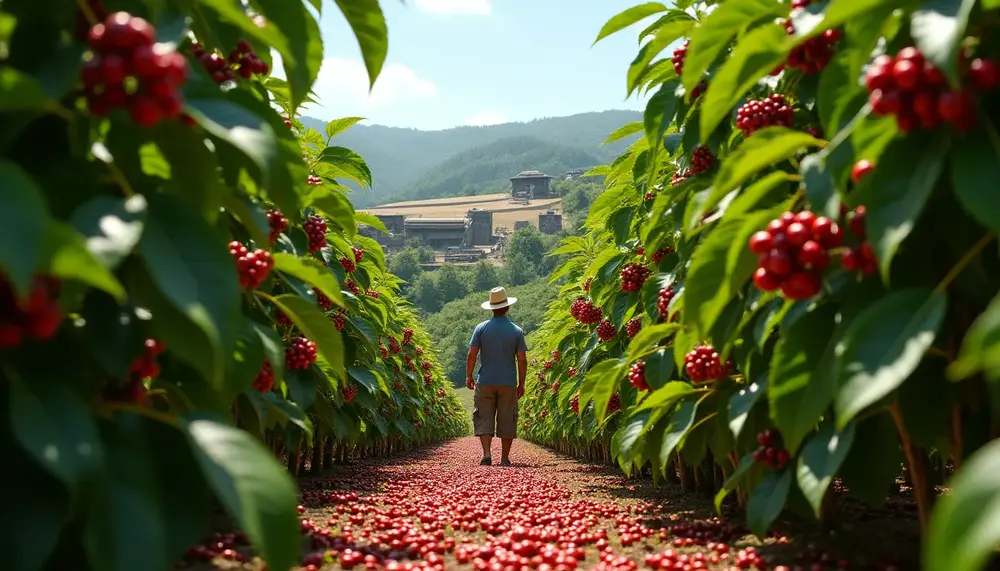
point(496, 408)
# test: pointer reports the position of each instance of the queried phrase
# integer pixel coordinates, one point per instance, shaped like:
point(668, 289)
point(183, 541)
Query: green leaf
point(599, 383)
point(369, 219)
point(42, 505)
point(236, 125)
point(767, 501)
point(756, 55)
point(662, 400)
point(975, 168)
point(660, 112)
point(937, 29)
point(874, 461)
point(820, 460)
point(665, 35)
point(194, 168)
point(742, 402)
point(21, 92)
point(796, 400)
point(345, 163)
point(763, 149)
point(112, 226)
point(647, 338)
point(734, 479)
point(883, 346)
point(659, 368)
point(336, 206)
point(965, 524)
point(54, 425)
point(712, 36)
point(981, 347)
point(182, 254)
point(721, 264)
point(311, 271)
point(896, 192)
point(23, 221)
point(67, 257)
point(253, 487)
point(680, 423)
point(366, 20)
point(628, 17)
point(624, 131)
point(338, 126)
point(317, 327)
point(124, 527)
point(304, 56)
point(624, 439)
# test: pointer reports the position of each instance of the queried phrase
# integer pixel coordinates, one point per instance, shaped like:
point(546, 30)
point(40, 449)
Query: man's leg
point(506, 421)
point(484, 418)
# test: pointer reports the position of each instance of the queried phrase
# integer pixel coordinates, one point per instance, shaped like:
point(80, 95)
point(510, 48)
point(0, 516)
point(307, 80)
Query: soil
point(548, 493)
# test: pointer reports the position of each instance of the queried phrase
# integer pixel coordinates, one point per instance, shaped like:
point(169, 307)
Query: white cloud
point(486, 118)
point(342, 86)
point(452, 7)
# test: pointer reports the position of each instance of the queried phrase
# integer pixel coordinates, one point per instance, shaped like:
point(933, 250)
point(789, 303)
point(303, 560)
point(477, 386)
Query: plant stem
point(964, 261)
point(916, 467)
point(113, 407)
point(119, 177)
point(87, 12)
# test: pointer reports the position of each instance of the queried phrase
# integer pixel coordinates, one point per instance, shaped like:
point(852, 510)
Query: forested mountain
point(405, 159)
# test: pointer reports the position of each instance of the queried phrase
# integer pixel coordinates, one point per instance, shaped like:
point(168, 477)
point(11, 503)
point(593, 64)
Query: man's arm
point(470, 367)
point(522, 371)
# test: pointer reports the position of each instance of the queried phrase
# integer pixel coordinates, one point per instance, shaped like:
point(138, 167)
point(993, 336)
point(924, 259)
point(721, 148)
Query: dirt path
point(437, 509)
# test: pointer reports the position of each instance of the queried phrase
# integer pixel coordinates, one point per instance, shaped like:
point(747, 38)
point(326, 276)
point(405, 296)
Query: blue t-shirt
point(499, 341)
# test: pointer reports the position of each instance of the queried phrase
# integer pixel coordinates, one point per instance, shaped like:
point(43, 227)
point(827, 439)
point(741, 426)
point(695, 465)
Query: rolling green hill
point(405, 160)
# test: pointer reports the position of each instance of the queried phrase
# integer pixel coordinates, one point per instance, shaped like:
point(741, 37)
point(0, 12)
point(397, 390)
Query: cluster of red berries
point(574, 403)
point(633, 326)
point(36, 317)
point(129, 69)
point(606, 330)
point(633, 276)
point(314, 180)
point(428, 379)
point(771, 451)
point(315, 228)
point(917, 93)
point(408, 336)
point(555, 355)
point(663, 300)
point(555, 387)
point(359, 254)
point(614, 404)
point(585, 312)
point(859, 258)
point(372, 293)
point(637, 376)
point(547, 365)
point(393, 345)
point(265, 378)
point(145, 366)
point(815, 54)
point(278, 223)
point(426, 365)
point(793, 252)
point(678, 57)
point(243, 62)
point(702, 160)
point(659, 254)
point(749, 558)
point(571, 372)
point(324, 302)
point(253, 267)
point(300, 354)
point(352, 286)
point(348, 264)
point(586, 284)
point(419, 351)
point(704, 364)
point(771, 111)
point(679, 176)
point(349, 392)
point(338, 322)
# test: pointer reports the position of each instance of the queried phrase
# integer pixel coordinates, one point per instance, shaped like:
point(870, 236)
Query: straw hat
point(498, 299)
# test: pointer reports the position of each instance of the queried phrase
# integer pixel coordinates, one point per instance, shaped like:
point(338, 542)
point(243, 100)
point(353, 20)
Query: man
point(499, 345)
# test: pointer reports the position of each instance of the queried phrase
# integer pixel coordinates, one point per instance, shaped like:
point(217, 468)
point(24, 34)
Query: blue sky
point(475, 62)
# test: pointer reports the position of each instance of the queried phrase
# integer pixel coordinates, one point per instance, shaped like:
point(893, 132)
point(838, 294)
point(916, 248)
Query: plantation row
point(186, 304)
point(792, 275)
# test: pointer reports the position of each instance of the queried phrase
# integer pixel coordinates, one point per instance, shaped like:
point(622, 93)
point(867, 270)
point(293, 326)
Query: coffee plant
point(819, 299)
point(178, 335)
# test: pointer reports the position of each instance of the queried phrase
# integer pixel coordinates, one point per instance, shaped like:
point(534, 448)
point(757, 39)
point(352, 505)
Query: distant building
point(439, 233)
point(550, 222)
point(531, 184)
point(481, 232)
point(395, 224)
point(574, 174)
point(520, 224)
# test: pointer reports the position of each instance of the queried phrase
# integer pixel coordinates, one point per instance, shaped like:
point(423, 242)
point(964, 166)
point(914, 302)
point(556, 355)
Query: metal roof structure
point(530, 174)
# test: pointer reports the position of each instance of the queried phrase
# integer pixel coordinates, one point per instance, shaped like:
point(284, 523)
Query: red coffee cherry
point(659, 254)
point(265, 378)
point(678, 58)
point(278, 223)
point(771, 452)
point(702, 160)
point(680, 175)
point(300, 354)
point(861, 169)
point(574, 403)
point(348, 265)
point(584, 311)
point(606, 330)
point(352, 287)
point(792, 253)
point(338, 322)
point(633, 326)
point(372, 293)
point(349, 392)
point(815, 54)
point(633, 275)
point(359, 254)
point(145, 366)
point(703, 364)
point(614, 404)
point(35, 317)
point(637, 376)
point(315, 228)
point(663, 300)
point(253, 267)
point(771, 111)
